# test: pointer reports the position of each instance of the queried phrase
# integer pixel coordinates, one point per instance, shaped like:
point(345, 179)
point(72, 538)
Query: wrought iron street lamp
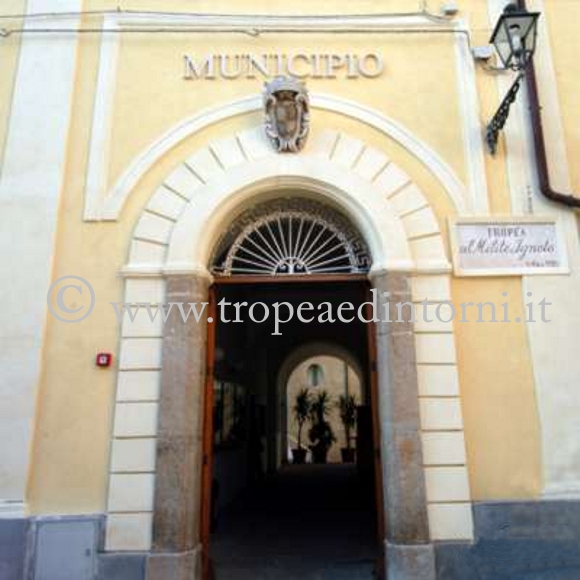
point(514, 38)
point(515, 35)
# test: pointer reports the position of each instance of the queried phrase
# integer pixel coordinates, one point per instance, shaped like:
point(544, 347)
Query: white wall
point(30, 183)
point(553, 346)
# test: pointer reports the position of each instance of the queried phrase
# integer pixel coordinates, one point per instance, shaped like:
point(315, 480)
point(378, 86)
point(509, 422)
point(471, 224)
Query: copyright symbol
point(72, 296)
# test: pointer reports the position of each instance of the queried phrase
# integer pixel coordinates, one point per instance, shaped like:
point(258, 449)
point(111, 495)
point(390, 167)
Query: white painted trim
point(100, 143)
point(556, 398)
point(106, 205)
point(553, 125)
point(194, 235)
point(113, 203)
point(378, 203)
point(439, 415)
point(434, 163)
point(31, 181)
point(561, 491)
point(471, 125)
point(12, 509)
point(262, 23)
point(519, 176)
point(560, 470)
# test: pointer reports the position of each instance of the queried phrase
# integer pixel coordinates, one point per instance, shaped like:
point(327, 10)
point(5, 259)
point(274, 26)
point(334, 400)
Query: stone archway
point(179, 225)
point(156, 447)
point(295, 359)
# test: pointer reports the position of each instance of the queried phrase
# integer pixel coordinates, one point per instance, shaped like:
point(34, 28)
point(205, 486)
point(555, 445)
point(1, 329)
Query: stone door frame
point(153, 492)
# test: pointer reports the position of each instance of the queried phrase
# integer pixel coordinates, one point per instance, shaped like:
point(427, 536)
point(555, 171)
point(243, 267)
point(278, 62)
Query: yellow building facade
point(133, 137)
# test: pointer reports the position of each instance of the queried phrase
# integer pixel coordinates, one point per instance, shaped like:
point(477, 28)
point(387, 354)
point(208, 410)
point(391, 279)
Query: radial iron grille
point(288, 241)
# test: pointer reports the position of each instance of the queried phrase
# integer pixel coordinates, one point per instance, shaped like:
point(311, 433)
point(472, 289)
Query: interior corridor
point(307, 522)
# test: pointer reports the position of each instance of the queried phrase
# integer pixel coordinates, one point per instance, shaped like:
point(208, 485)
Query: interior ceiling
point(244, 347)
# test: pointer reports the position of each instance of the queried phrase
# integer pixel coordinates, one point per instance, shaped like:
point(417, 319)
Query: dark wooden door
point(207, 457)
point(376, 437)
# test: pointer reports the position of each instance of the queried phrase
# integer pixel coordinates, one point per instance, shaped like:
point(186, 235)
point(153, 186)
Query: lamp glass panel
point(502, 43)
point(521, 24)
point(530, 38)
point(504, 37)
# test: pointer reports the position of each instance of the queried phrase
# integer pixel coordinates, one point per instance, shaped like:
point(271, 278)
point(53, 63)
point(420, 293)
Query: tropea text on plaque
point(507, 247)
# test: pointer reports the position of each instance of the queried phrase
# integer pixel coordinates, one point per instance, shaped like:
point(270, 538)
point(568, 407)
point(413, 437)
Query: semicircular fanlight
point(291, 241)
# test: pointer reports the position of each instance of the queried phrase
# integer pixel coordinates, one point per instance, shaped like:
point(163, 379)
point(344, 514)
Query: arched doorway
point(289, 251)
point(335, 381)
point(318, 366)
point(161, 378)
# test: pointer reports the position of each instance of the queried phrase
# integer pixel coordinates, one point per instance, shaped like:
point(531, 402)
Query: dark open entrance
point(262, 516)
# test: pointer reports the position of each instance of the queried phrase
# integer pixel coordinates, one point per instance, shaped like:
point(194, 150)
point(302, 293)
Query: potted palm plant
point(347, 409)
point(320, 434)
point(301, 412)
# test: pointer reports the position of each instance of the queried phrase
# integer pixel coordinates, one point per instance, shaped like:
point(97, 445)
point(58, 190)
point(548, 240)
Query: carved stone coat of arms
point(287, 114)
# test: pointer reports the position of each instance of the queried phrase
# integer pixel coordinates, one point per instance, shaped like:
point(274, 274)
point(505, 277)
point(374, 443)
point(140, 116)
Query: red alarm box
point(104, 359)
